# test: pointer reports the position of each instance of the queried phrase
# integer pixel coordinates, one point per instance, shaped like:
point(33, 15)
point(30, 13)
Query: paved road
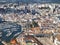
point(33, 38)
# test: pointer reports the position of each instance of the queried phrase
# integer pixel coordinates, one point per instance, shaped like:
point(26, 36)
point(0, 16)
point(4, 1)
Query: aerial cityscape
point(29, 22)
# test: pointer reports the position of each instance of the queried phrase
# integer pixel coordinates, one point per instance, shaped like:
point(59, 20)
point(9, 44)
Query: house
point(57, 40)
point(35, 27)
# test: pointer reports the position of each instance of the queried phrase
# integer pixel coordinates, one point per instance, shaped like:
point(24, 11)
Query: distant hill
point(32, 1)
